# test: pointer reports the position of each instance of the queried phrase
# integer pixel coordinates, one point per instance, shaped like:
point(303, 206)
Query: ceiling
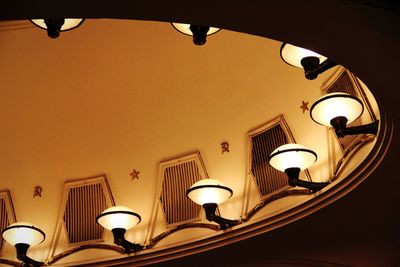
point(114, 95)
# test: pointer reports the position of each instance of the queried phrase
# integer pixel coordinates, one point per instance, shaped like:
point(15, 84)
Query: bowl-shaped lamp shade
point(209, 191)
point(69, 24)
point(23, 233)
point(293, 55)
point(118, 217)
point(335, 105)
point(185, 29)
point(292, 156)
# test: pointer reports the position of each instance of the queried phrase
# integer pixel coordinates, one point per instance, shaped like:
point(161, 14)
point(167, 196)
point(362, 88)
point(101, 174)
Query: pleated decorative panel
point(3, 220)
point(83, 199)
point(84, 203)
point(7, 215)
point(344, 84)
point(177, 176)
point(267, 178)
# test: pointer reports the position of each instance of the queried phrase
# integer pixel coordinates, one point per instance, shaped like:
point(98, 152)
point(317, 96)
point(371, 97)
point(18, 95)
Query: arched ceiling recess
point(260, 122)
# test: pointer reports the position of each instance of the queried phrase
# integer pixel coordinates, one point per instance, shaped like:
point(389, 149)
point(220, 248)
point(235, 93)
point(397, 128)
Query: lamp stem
point(199, 34)
point(22, 249)
point(339, 123)
point(54, 27)
point(210, 209)
point(312, 68)
point(293, 175)
point(119, 240)
point(310, 64)
point(119, 235)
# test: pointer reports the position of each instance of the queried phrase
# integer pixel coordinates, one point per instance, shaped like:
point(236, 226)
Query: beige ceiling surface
point(115, 95)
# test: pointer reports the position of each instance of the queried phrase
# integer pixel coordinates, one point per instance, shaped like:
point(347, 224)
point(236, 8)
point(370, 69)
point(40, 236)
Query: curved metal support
point(313, 186)
point(293, 175)
point(354, 147)
point(167, 233)
point(263, 203)
point(11, 263)
point(223, 222)
point(84, 247)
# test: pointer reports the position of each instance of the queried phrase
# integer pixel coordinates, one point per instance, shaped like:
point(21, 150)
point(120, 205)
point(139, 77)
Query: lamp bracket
point(309, 64)
point(210, 209)
point(339, 123)
point(199, 34)
point(313, 186)
point(119, 240)
point(312, 67)
point(22, 249)
point(293, 175)
point(370, 128)
point(54, 27)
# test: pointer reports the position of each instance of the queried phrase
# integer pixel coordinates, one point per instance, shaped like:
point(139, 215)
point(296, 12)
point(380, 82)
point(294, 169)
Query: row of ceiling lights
point(55, 26)
point(313, 63)
point(333, 110)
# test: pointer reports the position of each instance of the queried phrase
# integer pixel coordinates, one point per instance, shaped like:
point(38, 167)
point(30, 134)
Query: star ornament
point(304, 106)
point(135, 174)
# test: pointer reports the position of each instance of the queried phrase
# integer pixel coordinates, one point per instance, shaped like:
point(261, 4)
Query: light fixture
point(23, 235)
point(198, 32)
point(293, 158)
point(339, 109)
point(209, 193)
point(55, 26)
point(313, 63)
point(118, 220)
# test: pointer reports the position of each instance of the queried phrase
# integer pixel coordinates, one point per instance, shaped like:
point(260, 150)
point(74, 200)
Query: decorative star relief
point(304, 106)
point(135, 174)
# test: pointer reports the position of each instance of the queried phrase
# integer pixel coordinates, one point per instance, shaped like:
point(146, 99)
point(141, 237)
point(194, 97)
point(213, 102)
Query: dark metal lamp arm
point(370, 128)
point(119, 240)
point(210, 209)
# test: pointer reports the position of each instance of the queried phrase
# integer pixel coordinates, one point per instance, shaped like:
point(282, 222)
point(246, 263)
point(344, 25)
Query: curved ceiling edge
point(345, 186)
point(248, 230)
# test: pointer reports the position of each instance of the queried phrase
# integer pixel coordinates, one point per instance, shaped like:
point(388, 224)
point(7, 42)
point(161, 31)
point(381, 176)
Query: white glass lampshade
point(69, 24)
point(209, 191)
point(293, 55)
point(23, 233)
point(185, 28)
point(292, 156)
point(336, 105)
point(118, 217)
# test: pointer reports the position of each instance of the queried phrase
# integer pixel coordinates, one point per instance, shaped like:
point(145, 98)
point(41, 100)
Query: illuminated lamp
point(55, 26)
point(209, 193)
point(293, 158)
point(312, 63)
point(199, 33)
point(23, 235)
point(339, 109)
point(118, 220)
